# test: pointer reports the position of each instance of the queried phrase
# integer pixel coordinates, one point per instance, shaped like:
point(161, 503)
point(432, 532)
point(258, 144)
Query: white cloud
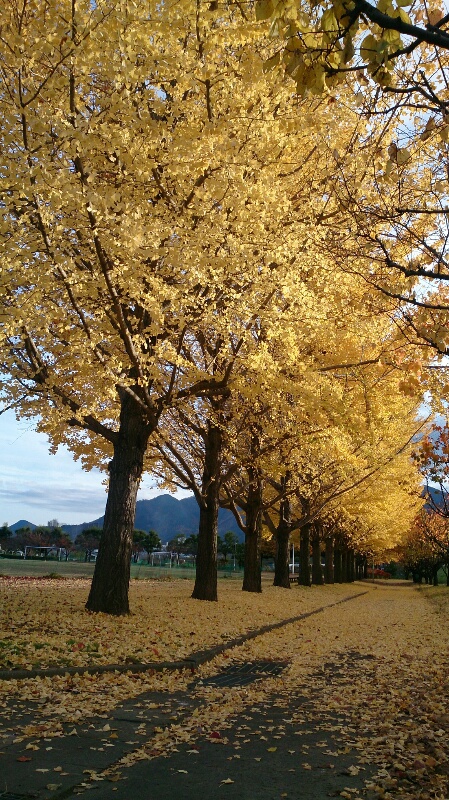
point(38, 486)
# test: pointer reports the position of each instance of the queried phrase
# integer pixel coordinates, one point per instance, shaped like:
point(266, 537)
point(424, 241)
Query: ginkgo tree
point(382, 510)
point(321, 44)
point(394, 56)
point(149, 189)
point(315, 433)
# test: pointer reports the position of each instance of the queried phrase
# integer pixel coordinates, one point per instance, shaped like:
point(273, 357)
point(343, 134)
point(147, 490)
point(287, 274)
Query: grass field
point(80, 569)
point(438, 596)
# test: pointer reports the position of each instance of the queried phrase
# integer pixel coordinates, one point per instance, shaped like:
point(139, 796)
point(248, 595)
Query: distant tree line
point(426, 548)
point(88, 541)
point(42, 536)
point(227, 545)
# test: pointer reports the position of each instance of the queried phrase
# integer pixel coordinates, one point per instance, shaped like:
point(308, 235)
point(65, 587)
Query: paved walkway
point(267, 751)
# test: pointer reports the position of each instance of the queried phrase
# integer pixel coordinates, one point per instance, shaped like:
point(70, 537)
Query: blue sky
point(38, 486)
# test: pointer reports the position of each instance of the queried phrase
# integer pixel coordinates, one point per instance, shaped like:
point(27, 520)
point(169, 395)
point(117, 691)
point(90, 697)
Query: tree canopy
point(320, 44)
point(188, 245)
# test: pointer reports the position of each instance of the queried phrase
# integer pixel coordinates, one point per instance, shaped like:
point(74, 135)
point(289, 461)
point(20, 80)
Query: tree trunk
point(351, 565)
point(329, 569)
point(304, 556)
point(317, 572)
point(206, 563)
point(282, 557)
point(338, 572)
point(252, 574)
point(344, 565)
point(110, 583)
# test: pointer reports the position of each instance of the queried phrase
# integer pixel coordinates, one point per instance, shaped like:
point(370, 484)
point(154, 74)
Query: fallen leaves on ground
point(44, 623)
point(375, 678)
point(372, 673)
point(46, 617)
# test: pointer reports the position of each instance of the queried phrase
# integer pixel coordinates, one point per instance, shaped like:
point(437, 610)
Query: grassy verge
point(80, 569)
point(438, 596)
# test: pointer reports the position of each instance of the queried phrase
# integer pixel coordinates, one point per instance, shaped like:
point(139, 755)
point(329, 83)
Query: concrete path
point(264, 752)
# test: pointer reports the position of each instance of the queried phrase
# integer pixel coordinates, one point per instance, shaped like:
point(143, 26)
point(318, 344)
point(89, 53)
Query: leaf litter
point(374, 676)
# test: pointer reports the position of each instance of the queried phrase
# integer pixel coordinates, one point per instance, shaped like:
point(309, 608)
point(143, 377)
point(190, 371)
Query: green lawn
point(79, 569)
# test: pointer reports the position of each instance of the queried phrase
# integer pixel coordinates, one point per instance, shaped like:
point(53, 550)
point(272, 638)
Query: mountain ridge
point(165, 514)
point(170, 517)
point(22, 523)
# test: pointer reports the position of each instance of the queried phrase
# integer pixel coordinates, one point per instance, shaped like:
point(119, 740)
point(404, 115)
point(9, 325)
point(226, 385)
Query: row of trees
point(212, 278)
point(426, 548)
point(87, 541)
point(40, 536)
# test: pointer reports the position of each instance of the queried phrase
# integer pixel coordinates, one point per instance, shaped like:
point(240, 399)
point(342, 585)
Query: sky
point(38, 487)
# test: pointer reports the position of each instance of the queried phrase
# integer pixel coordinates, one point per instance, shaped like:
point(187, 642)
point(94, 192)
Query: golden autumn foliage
point(425, 548)
point(176, 240)
point(391, 44)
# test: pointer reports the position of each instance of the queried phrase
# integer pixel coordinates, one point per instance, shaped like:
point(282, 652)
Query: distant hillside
point(22, 523)
point(168, 517)
point(437, 497)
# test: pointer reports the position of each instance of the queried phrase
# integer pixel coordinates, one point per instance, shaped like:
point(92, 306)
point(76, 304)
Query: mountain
point(22, 523)
point(437, 498)
point(168, 517)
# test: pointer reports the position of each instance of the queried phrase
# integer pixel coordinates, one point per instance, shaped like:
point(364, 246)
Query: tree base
point(107, 610)
point(210, 596)
point(282, 583)
point(253, 589)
